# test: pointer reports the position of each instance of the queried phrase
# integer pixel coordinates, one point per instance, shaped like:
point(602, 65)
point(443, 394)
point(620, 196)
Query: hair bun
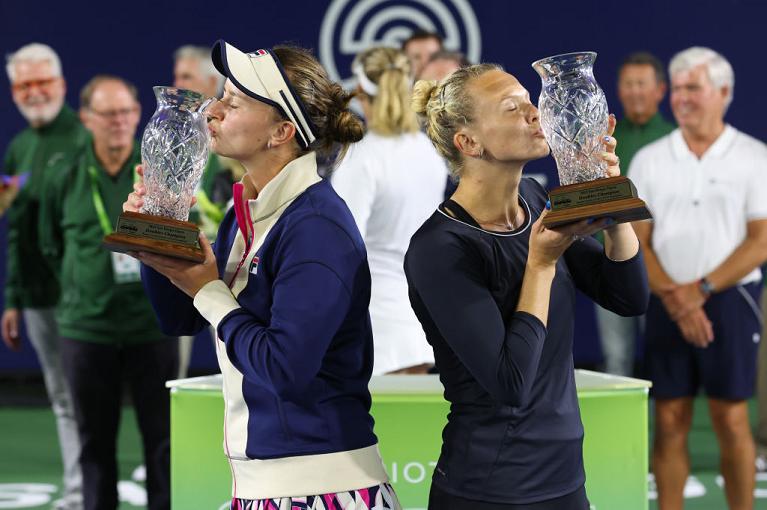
point(423, 91)
point(346, 127)
point(342, 125)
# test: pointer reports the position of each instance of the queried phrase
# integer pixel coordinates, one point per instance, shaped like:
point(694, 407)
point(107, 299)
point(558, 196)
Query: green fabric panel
point(409, 427)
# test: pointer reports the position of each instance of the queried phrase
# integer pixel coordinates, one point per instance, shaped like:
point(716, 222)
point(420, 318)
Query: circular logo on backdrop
point(351, 26)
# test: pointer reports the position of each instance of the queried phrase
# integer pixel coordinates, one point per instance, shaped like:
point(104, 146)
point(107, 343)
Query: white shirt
point(392, 185)
point(701, 206)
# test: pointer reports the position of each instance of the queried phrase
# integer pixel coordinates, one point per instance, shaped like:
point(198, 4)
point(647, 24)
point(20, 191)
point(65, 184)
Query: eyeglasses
point(26, 86)
point(114, 114)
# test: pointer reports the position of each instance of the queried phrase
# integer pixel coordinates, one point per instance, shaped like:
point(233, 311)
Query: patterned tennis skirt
point(378, 497)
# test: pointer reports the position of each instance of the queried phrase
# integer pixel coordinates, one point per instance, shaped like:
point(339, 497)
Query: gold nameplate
point(597, 194)
point(149, 228)
point(156, 234)
point(613, 197)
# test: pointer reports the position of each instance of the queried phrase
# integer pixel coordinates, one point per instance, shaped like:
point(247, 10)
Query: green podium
point(409, 414)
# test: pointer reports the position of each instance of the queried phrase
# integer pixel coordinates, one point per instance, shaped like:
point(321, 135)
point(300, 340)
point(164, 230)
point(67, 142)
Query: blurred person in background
point(110, 335)
point(641, 88)
point(392, 180)
point(442, 64)
point(53, 137)
point(642, 85)
point(419, 47)
point(193, 69)
point(704, 185)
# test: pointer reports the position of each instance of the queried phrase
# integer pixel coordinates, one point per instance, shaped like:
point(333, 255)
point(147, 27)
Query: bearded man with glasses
point(54, 136)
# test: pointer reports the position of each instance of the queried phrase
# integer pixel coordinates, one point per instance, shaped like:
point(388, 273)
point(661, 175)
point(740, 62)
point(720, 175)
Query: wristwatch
point(706, 287)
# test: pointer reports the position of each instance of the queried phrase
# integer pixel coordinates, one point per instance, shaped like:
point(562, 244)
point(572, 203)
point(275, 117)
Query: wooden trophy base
point(612, 197)
point(155, 234)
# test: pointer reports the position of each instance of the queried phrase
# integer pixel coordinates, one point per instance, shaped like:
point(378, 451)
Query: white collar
point(717, 150)
point(284, 187)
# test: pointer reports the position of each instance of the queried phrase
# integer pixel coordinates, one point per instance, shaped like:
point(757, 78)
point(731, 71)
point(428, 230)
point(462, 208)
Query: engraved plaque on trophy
point(174, 151)
point(574, 119)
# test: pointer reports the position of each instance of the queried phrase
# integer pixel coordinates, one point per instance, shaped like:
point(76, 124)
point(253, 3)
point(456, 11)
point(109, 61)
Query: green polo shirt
point(632, 137)
point(39, 151)
point(93, 307)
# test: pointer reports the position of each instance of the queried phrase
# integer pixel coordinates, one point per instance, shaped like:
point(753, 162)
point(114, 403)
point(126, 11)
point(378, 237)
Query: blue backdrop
point(136, 40)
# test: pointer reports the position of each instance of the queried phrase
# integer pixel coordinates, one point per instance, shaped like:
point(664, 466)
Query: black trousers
point(96, 373)
point(441, 500)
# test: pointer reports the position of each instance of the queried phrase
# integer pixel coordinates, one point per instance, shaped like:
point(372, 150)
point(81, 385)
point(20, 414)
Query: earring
point(481, 153)
point(269, 144)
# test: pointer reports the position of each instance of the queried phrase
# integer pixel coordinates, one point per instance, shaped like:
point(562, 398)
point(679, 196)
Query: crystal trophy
point(574, 118)
point(174, 151)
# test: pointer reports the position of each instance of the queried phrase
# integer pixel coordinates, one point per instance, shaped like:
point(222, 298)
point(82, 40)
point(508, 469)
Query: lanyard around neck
point(98, 202)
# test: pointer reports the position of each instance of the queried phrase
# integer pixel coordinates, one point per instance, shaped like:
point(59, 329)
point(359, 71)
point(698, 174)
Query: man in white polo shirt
point(706, 186)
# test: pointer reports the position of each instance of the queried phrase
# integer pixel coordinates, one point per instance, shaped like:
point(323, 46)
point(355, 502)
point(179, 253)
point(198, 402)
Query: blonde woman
point(392, 180)
point(287, 289)
point(495, 292)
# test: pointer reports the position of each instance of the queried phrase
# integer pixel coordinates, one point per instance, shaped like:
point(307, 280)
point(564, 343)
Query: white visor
point(260, 75)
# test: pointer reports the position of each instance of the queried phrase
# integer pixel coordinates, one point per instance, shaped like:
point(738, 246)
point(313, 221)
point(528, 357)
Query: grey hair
point(34, 52)
point(202, 55)
point(718, 68)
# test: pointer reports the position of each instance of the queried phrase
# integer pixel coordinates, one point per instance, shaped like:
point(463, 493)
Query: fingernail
point(590, 221)
point(607, 138)
point(548, 204)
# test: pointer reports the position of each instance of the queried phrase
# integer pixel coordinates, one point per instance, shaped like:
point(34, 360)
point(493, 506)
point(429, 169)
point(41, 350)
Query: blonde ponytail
point(389, 70)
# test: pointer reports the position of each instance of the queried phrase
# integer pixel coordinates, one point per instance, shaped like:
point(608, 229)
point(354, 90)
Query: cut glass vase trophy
point(174, 151)
point(574, 118)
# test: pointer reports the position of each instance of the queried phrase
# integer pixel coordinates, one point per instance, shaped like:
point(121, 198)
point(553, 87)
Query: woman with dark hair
point(287, 288)
point(495, 292)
